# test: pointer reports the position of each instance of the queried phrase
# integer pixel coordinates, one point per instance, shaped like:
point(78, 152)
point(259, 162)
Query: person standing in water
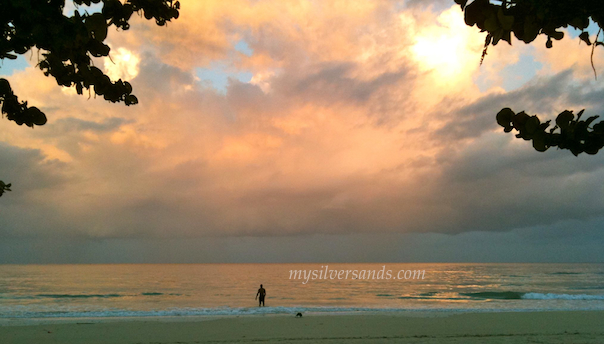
point(262, 293)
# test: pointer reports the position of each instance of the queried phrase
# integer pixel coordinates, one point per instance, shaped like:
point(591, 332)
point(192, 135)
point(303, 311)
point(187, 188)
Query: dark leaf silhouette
point(569, 132)
point(526, 20)
point(66, 45)
point(3, 188)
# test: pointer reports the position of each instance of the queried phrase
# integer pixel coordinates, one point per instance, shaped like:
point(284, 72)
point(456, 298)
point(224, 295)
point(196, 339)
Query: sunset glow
point(122, 64)
point(443, 54)
point(344, 120)
point(448, 48)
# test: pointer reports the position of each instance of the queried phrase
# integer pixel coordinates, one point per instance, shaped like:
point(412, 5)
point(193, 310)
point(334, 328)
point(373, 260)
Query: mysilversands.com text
point(324, 273)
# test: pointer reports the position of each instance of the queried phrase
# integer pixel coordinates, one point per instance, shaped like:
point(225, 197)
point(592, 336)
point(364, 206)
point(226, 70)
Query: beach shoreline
point(366, 327)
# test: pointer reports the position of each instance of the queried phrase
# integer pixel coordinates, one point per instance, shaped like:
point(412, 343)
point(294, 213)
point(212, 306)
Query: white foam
point(251, 311)
point(552, 296)
point(175, 312)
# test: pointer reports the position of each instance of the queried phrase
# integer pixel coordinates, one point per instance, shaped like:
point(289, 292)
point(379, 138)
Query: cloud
point(29, 208)
point(542, 95)
point(498, 185)
point(345, 127)
point(121, 64)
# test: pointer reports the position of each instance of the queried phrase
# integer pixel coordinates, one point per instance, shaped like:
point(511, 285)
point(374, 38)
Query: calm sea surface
point(43, 291)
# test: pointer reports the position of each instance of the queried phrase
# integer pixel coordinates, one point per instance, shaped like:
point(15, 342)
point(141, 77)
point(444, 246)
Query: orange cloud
point(339, 128)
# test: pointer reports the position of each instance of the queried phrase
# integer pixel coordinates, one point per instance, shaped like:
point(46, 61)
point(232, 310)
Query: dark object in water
point(299, 315)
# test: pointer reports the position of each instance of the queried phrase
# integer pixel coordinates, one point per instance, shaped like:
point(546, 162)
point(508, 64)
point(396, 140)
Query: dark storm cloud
point(497, 185)
point(163, 78)
point(331, 83)
point(70, 124)
point(570, 241)
point(27, 169)
point(30, 205)
point(542, 95)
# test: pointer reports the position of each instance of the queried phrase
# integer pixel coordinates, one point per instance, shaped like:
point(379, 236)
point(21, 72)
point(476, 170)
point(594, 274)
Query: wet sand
point(430, 327)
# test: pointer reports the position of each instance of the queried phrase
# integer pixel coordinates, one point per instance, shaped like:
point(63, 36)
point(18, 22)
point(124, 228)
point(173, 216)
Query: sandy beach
point(503, 327)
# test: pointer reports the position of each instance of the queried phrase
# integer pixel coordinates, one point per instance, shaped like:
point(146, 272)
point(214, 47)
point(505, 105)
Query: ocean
point(151, 290)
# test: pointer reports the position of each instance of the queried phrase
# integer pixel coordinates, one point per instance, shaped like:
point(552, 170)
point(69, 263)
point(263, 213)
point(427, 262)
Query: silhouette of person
point(262, 293)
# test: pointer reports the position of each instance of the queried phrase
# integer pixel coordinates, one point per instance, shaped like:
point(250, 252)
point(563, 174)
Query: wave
point(227, 311)
point(513, 295)
point(597, 287)
point(17, 297)
point(566, 273)
point(78, 296)
point(552, 296)
point(251, 311)
point(428, 298)
point(178, 312)
point(500, 295)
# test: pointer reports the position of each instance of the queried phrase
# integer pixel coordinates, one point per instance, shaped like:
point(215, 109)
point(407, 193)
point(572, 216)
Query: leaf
point(557, 35)
point(585, 37)
point(532, 125)
point(591, 119)
point(5, 87)
point(504, 117)
point(37, 116)
point(98, 49)
point(580, 23)
point(491, 24)
point(520, 119)
point(474, 13)
point(131, 100)
point(592, 149)
point(497, 34)
point(531, 29)
point(599, 127)
point(506, 21)
point(539, 143)
point(4, 187)
point(563, 119)
point(97, 24)
point(461, 3)
point(507, 36)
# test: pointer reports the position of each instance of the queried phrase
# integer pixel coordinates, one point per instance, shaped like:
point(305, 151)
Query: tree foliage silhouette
point(4, 187)
point(527, 19)
point(66, 45)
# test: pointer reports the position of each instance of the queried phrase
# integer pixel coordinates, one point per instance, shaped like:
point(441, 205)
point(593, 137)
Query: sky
point(304, 131)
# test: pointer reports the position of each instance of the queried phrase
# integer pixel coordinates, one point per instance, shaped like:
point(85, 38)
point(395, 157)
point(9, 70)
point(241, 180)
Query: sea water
point(151, 290)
